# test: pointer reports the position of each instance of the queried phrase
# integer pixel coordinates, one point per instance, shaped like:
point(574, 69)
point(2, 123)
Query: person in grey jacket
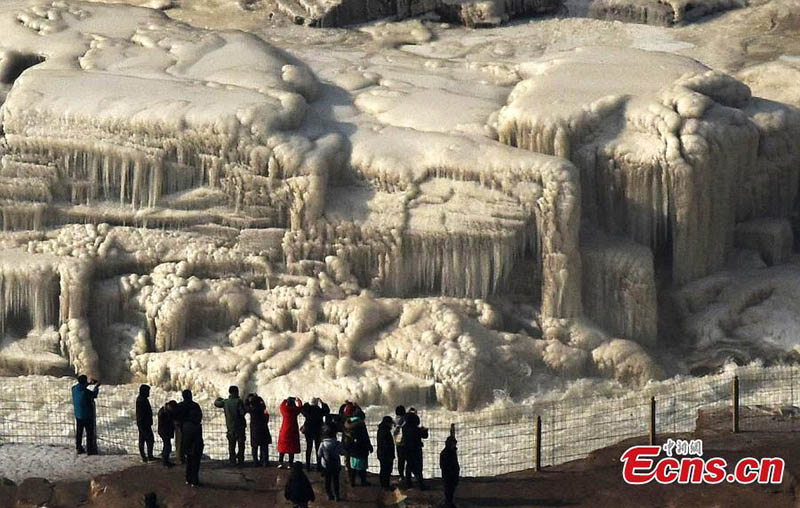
point(235, 423)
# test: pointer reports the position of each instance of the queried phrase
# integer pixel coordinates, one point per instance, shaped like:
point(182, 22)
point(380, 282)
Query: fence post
point(538, 465)
point(652, 420)
point(735, 404)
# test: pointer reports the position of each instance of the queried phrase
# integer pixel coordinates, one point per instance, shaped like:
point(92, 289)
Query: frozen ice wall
point(527, 200)
point(42, 293)
point(132, 111)
point(671, 157)
point(619, 286)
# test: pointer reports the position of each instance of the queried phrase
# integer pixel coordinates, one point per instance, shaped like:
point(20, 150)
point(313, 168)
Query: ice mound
point(659, 12)
point(452, 237)
point(443, 351)
point(392, 34)
point(545, 218)
point(198, 312)
point(471, 13)
point(742, 315)
point(671, 154)
point(431, 203)
point(774, 80)
point(625, 361)
point(130, 112)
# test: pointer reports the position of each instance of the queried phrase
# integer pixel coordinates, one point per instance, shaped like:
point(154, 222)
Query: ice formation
point(743, 314)
point(197, 207)
point(659, 12)
point(171, 110)
point(672, 157)
point(472, 13)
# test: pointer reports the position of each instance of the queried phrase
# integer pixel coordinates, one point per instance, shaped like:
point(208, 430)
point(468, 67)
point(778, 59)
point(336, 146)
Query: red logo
point(641, 465)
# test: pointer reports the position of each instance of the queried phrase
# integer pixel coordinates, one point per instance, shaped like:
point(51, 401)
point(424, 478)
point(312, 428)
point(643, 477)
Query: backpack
point(397, 433)
point(331, 459)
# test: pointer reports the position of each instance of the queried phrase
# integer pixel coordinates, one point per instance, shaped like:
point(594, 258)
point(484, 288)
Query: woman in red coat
point(289, 437)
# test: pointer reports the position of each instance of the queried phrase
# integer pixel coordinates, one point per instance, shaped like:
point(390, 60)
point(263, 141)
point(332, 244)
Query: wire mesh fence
point(491, 441)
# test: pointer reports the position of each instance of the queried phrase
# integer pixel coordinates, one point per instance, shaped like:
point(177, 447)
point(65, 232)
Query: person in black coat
point(314, 415)
point(190, 417)
point(260, 437)
point(166, 430)
point(144, 422)
point(448, 463)
point(298, 489)
point(385, 441)
point(413, 434)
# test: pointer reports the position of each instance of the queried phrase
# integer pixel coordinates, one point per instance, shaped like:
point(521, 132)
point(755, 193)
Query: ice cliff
point(672, 157)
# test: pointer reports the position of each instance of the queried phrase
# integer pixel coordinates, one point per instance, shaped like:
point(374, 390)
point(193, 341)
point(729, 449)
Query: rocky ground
point(592, 482)
point(21, 461)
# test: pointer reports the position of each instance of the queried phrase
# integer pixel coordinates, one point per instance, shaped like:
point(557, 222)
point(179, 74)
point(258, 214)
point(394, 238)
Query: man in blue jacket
point(83, 405)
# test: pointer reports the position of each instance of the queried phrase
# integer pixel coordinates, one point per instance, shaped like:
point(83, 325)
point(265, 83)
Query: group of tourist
point(399, 438)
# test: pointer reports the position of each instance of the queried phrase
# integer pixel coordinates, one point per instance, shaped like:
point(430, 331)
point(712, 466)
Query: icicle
point(619, 287)
point(28, 289)
point(23, 216)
